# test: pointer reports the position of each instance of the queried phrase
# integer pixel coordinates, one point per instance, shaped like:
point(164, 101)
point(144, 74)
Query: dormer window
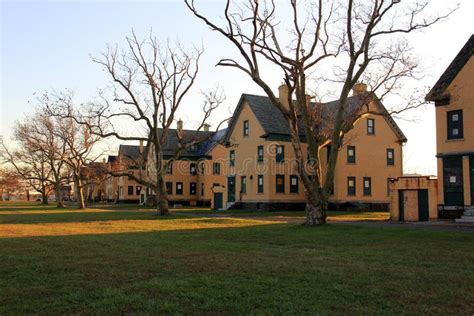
point(192, 168)
point(455, 125)
point(370, 126)
point(246, 128)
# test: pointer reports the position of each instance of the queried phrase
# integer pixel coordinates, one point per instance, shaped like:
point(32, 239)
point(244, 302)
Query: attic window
point(246, 128)
point(370, 126)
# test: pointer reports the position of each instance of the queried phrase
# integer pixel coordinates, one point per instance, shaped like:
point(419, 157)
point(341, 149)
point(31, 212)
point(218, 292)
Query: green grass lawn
point(129, 261)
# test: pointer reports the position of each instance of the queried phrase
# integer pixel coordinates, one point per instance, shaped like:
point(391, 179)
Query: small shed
point(413, 198)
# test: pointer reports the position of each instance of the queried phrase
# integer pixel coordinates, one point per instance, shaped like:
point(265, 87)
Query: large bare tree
point(149, 81)
point(362, 40)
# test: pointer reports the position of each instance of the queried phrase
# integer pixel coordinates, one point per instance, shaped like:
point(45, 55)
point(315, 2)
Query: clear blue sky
point(47, 44)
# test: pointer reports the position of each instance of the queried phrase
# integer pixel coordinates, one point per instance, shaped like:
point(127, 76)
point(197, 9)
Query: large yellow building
point(251, 164)
point(453, 95)
point(262, 172)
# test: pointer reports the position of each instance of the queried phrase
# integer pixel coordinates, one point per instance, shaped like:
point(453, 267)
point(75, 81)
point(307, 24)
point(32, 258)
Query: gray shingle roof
point(273, 121)
point(129, 151)
point(438, 90)
point(172, 144)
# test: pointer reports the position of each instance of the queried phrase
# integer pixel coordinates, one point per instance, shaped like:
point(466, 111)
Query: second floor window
point(280, 183)
point(169, 168)
point(260, 184)
point(351, 154)
point(243, 184)
point(455, 125)
point(130, 190)
point(179, 187)
point(260, 153)
point(192, 168)
point(351, 186)
point(246, 128)
point(293, 184)
point(232, 158)
point(280, 153)
point(370, 126)
point(390, 157)
point(216, 168)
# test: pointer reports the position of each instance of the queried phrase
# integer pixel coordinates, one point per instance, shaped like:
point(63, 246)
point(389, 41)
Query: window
point(260, 153)
point(246, 128)
point(390, 157)
point(192, 188)
point(202, 189)
point(367, 186)
point(370, 126)
point(192, 168)
point(169, 168)
point(130, 190)
point(293, 184)
point(179, 188)
point(351, 186)
point(216, 168)
point(139, 189)
point(260, 184)
point(243, 184)
point(280, 183)
point(351, 154)
point(169, 188)
point(232, 158)
point(280, 153)
point(455, 125)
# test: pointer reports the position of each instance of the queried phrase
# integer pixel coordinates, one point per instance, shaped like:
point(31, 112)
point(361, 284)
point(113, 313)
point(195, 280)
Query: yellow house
point(453, 95)
point(195, 176)
point(261, 168)
point(127, 189)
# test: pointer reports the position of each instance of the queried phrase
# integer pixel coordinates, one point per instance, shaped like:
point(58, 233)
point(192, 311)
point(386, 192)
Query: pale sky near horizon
point(47, 45)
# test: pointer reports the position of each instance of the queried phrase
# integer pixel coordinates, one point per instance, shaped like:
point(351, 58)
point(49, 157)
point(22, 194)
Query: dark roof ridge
point(456, 65)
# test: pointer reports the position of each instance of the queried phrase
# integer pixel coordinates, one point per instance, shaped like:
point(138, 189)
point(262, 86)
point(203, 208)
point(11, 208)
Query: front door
point(218, 200)
point(231, 189)
point(423, 207)
point(453, 181)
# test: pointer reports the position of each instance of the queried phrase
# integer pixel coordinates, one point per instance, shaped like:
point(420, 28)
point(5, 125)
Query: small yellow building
point(453, 95)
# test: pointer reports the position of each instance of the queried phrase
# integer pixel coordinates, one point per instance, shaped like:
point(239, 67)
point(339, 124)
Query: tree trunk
point(162, 206)
point(316, 207)
point(58, 195)
point(80, 193)
point(44, 199)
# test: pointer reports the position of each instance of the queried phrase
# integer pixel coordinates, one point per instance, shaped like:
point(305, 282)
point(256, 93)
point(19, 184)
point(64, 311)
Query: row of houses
point(251, 163)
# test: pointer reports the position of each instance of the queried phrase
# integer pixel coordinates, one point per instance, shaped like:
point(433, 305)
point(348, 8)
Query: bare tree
point(365, 37)
point(31, 165)
point(149, 81)
point(10, 183)
point(39, 132)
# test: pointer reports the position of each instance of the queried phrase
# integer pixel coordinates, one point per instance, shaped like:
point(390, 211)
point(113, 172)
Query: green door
point(423, 206)
point(231, 189)
point(218, 200)
point(401, 205)
point(453, 181)
point(471, 167)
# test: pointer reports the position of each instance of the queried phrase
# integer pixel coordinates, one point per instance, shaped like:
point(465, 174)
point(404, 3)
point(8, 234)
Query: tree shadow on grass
point(265, 269)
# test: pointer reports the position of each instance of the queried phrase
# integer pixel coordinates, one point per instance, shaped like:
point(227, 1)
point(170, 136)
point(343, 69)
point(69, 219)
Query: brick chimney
point(359, 88)
point(179, 129)
point(283, 95)
point(206, 127)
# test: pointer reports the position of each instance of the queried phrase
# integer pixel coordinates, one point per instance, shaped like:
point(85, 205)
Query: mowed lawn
point(127, 261)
